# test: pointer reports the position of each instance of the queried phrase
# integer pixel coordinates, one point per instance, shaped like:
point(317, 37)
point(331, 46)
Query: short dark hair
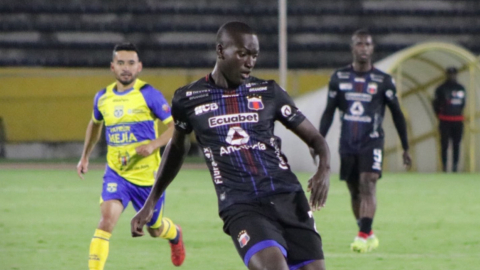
point(125, 47)
point(362, 32)
point(234, 27)
point(451, 70)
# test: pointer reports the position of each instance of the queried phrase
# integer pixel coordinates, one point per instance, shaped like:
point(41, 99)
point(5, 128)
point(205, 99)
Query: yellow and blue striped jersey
point(130, 121)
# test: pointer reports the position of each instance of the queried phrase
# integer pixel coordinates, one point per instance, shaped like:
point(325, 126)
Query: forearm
point(400, 125)
point(172, 161)
point(92, 136)
point(326, 121)
point(163, 139)
point(320, 146)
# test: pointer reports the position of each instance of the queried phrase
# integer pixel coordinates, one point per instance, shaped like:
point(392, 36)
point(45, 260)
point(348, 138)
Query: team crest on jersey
point(255, 103)
point(112, 187)
point(243, 238)
point(118, 111)
point(372, 88)
point(166, 108)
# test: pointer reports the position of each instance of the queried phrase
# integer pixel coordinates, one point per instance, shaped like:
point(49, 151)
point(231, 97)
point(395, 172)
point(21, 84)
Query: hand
point(318, 186)
point(145, 150)
point(314, 155)
point(407, 160)
point(82, 167)
point(140, 219)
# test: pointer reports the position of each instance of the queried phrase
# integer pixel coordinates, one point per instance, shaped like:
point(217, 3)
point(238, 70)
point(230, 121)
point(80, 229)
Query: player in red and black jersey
point(448, 104)
point(261, 201)
point(361, 92)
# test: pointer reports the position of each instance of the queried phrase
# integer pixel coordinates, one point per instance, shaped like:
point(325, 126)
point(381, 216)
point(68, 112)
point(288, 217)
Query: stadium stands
point(180, 33)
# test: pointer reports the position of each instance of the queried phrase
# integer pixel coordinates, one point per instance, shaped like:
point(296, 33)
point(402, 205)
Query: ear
point(140, 66)
point(111, 67)
point(220, 51)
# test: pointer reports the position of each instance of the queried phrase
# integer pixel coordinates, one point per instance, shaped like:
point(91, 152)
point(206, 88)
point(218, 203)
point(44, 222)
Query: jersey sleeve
point(157, 103)
point(285, 111)
point(97, 116)
point(390, 92)
point(179, 115)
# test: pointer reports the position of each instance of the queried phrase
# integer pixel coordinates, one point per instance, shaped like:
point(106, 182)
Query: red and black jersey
point(234, 128)
point(361, 98)
point(449, 101)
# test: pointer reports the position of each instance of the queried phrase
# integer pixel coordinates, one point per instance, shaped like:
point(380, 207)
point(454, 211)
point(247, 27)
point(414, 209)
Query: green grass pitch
point(424, 221)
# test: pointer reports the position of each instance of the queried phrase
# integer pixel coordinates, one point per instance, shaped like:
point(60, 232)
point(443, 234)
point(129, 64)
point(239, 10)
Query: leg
point(315, 265)
point(354, 190)
point(99, 247)
point(443, 144)
point(457, 132)
point(160, 226)
point(270, 258)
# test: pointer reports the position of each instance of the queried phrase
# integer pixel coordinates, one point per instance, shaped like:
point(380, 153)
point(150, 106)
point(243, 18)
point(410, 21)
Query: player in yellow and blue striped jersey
point(129, 109)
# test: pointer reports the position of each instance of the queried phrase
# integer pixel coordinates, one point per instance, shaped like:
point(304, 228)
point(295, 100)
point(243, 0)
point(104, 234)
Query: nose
point(250, 62)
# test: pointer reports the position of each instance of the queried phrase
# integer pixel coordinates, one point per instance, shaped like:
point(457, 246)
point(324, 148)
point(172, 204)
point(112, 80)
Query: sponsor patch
point(258, 89)
point(376, 78)
point(359, 79)
point(358, 97)
point(286, 110)
point(343, 75)
point(201, 109)
point(390, 94)
point(243, 238)
point(237, 136)
point(255, 103)
point(230, 119)
point(332, 93)
point(345, 86)
point(217, 177)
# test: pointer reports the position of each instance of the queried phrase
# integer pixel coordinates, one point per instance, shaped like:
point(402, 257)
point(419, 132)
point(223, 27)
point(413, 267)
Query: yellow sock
point(169, 229)
point(99, 250)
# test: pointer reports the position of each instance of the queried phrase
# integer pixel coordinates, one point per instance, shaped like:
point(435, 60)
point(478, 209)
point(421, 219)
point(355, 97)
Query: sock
point(99, 250)
point(365, 227)
point(169, 231)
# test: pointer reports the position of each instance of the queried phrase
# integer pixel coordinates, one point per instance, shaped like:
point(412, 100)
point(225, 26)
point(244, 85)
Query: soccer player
point(361, 92)
point(448, 104)
point(129, 109)
point(260, 200)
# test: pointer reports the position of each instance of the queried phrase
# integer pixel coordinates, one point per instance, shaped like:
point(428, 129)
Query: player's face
point(362, 48)
point(239, 58)
point(126, 66)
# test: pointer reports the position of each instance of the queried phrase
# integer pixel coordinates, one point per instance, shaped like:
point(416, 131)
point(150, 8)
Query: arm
point(152, 146)
point(319, 183)
point(329, 113)
point(436, 101)
point(172, 161)
point(400, 123)
point(94, 130)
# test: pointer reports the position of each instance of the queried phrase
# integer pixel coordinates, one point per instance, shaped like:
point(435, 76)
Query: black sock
point(366, 225)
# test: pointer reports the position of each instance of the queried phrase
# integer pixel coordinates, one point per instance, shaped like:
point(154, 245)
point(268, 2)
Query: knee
point(368, 183)
point(155, 232)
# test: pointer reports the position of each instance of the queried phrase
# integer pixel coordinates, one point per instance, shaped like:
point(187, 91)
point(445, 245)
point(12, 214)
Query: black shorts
point(283, 220)
point(351, 165)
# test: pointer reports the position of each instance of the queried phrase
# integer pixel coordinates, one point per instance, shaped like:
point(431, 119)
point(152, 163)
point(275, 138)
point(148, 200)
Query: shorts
point(351, 165)
point(116, 187)
point(282, 220)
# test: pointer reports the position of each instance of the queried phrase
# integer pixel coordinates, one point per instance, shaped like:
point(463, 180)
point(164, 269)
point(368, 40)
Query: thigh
point(303, 241)
point(371, 161)
point(252, 230)
point(138, 196)
point(349, 168)
point(111, 211)
point(268, 258)
point(313, 265)
point(457, 131)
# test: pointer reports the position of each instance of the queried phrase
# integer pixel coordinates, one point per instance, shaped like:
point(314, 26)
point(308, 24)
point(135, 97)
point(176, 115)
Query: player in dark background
point(448, 105)
point(261, 202)
point(361, 93)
